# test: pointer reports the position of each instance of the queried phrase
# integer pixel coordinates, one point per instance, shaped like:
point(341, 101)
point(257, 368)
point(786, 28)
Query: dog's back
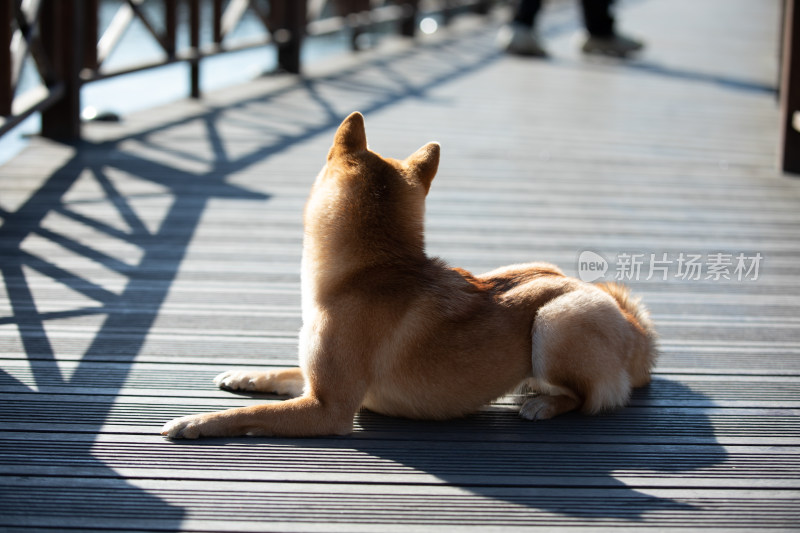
point(437, 342)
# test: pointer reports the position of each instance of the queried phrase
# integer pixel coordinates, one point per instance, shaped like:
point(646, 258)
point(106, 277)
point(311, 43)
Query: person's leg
point(598, 17)
point(518, 37)
point(603, 39)
point(526, 12)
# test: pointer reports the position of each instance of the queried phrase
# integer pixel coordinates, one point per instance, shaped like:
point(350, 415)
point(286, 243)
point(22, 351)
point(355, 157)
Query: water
point(126, 94)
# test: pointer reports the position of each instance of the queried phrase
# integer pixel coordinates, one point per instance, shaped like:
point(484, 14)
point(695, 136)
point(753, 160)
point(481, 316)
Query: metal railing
point(68, 49)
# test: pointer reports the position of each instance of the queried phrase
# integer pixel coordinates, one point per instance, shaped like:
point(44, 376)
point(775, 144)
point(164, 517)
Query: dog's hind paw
point(543, 407)
point(288, 381)
point(237, 380)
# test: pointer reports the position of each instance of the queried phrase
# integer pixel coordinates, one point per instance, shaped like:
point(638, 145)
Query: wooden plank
point(673, 424)
point(385, 461)
point(249, 506)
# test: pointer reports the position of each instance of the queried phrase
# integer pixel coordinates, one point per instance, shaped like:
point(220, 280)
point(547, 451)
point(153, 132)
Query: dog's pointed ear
point(424, 163)
point(351, 137)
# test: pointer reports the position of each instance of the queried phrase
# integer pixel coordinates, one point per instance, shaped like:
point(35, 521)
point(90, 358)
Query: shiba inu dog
point(387, 328)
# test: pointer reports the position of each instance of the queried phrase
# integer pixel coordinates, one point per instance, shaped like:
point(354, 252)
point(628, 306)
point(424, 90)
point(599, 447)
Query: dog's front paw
point(187, 427)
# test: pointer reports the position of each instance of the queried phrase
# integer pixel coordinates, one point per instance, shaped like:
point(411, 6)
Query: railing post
point(408, 27)
point(194, 42)
point(217, 19)
point(357, 12)
point(62, 37)
point(90, 29)
point(170, 26)
point(482, 7)
point(293, 31)
point(6, 83)
point(790, 89)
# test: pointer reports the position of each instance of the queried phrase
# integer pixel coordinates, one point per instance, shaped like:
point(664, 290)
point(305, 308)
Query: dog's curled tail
point(636, 313)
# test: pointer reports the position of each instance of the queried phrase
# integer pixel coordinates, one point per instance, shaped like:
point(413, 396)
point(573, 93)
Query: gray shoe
point(520, 40)
point(614, 46)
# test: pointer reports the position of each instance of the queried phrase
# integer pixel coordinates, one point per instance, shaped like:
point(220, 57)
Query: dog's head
point(350, 148)
point(363, 204)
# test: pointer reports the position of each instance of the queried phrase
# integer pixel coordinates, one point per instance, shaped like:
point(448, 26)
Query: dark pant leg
point(598, 18)
point(526, 12)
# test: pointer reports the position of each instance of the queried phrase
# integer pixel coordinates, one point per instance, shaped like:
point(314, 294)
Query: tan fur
point(387, 328)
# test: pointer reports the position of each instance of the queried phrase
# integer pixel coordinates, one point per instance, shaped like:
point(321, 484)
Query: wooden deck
point(167, 248)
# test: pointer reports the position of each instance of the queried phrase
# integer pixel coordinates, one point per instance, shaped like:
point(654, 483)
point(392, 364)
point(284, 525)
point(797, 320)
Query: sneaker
point(614, 46)
point(520, 40)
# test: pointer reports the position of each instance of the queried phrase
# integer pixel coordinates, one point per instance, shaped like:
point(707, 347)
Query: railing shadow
point(161, 246)
point(180, 221)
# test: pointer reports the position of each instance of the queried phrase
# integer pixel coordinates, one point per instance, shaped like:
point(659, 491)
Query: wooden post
point(408, 26)
point(790, 89)
point(90, 29)
point(294, 27)
point(217, 16)
point(6, 83)
point(482, 7)
point(355, 11)
point(194, 42)
point(170, 26)
point(62, 37)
